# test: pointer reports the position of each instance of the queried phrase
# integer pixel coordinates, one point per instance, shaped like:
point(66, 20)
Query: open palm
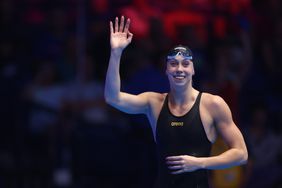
point(120, 35)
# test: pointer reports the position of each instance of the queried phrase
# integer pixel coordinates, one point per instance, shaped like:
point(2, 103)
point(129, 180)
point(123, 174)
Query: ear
point(193, 70)
point(166, 69)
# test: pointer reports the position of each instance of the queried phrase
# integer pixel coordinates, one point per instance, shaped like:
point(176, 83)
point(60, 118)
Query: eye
point(172, 63)
point(185, 63)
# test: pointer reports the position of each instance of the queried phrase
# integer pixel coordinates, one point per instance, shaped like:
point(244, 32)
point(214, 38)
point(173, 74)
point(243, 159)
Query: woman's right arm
point(120, 38)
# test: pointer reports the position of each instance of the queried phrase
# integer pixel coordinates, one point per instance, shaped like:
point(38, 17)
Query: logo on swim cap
point(180, 50)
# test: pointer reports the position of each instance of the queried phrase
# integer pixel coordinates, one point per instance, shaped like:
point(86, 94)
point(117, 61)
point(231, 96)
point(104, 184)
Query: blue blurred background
point(55, 128)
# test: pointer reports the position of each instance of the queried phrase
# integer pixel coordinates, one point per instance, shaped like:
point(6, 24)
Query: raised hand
point(120, 35)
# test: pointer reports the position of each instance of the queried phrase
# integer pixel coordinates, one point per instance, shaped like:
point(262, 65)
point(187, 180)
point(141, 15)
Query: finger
point(130, 36)
point(116, 25)
point(174, 158)
point(174, 162)
point(178, 172)
point(177, 167)
point(127, 25)
point(111, 27)
point(121, 25)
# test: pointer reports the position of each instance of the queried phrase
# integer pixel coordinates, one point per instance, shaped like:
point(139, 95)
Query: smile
point(179, 77)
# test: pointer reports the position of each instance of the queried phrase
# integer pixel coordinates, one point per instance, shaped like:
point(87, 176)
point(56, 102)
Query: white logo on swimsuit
point(176, 124)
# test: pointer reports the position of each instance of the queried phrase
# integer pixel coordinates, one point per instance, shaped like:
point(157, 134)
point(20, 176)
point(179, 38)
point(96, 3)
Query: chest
point(182, 135)
point(178, 121)
point(180, 110)
point(186, 126)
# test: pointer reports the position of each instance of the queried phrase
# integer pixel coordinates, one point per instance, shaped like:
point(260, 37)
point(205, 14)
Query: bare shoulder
point(154, 97)
point(212, 101)
point(216, 106)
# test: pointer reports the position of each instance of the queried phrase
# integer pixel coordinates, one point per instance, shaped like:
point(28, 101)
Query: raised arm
point(120, 38)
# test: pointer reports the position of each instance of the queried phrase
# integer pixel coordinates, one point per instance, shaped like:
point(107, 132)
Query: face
point(179, 70)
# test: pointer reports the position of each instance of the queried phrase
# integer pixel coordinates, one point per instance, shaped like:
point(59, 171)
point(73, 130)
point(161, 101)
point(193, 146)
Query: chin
point(178, 84)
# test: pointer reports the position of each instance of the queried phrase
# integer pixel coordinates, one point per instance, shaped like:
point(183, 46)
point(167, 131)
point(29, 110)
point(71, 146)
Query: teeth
point(179, 77)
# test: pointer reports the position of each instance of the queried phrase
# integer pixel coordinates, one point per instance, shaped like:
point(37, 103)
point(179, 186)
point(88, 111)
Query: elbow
point(110, 100)
point(245, 161)
point(107, 98)
point(244, 157)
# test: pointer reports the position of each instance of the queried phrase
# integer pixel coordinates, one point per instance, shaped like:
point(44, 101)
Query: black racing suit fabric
point(184, 135)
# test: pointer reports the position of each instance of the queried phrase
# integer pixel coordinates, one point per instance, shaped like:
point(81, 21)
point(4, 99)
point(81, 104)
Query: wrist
point(202, 162)
point(116, 51)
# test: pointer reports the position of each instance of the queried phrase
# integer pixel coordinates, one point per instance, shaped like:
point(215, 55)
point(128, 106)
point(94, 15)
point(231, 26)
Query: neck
point(181, 95)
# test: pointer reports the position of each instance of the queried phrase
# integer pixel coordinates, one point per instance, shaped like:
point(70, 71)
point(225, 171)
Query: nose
point(179, 68)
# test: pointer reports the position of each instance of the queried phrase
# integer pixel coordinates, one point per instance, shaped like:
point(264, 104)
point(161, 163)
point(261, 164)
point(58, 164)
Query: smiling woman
point(184, 121)
point(180, 67)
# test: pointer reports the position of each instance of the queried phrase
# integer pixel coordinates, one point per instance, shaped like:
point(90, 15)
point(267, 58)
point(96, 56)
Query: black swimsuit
point(184, 135)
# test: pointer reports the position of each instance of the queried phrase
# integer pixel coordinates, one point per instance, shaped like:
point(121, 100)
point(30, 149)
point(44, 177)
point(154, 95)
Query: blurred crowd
point(55, 128)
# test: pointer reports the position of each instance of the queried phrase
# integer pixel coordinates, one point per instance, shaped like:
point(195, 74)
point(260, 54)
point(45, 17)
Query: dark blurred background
point(56, 130)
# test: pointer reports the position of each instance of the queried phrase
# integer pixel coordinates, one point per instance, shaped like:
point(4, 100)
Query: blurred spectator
point(84, 98)
point(233, 59)
point(265, 149)
point(44, 95)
